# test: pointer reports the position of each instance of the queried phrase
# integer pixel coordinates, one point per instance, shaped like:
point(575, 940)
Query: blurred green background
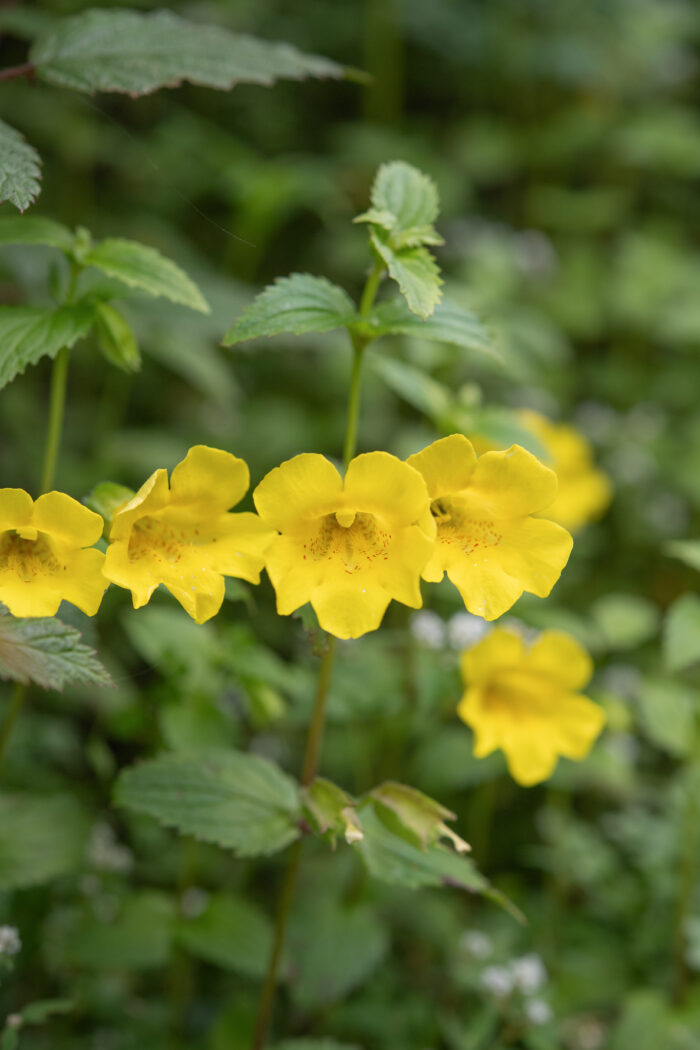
point(565, 142)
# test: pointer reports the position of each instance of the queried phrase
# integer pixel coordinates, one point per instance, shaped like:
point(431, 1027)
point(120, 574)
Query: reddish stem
point(13, 72)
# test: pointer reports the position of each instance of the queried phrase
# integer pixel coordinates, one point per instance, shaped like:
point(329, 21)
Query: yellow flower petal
point(301, 489)
point(486, 588)
point(208, 481)
point(579, 721)
point(380, 484)
point(399, 573)
point(533, 551)
point(447, 465)
point(152, 497)
point(530, 759)
point(346, 611)
point(83, 583)
point(67, 520)
point(562, 658)
point(15, 508)
point(292, 573)
point(500, 648)
point(512, 484)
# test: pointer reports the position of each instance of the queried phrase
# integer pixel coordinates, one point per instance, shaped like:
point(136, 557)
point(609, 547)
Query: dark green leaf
point(122, 50)
point(296, 304)
point(138, 937)
point(235, 800)
point(414, 386)
point(28, 333)
point(142, 267)
point(35, 229)
point(449, 323)
point(45, 651)
point(41, 837)
point(40, 1011)
point(20, 168)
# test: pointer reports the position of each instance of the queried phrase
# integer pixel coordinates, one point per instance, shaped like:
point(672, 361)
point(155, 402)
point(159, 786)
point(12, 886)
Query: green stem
point(358, 347)
point(59, 378)
point(309, 767)
point(686, 892)
point(16, 701)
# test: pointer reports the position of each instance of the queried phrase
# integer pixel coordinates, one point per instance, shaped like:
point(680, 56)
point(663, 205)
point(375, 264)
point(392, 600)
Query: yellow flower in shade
point(487, 541)
point(43, 560)
point(584, 490)
point(346, 548)
point(181, 535)
point(527, 701)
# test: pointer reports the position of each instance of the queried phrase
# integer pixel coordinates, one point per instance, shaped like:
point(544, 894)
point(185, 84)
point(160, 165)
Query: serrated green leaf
point(385, 219)
point(449, 323)
point(392, 859)
point(28, 333)
point(127, 51)
point(35, 229)
point(232, 933)
point(296, 304)
point(413, 385)
point(406, 193)
point(143, 267)
point(686, 550)
point(235, 800)
point(45, 651)
point(41, 837)
point(20, 168)
point(416, 273)
point(682, 633)
point(117, 340)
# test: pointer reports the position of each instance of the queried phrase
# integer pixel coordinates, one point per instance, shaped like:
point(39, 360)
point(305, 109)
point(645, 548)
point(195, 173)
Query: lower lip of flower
point(28, 558)
point(456, 529)
point(355, 545)
point(153, 538)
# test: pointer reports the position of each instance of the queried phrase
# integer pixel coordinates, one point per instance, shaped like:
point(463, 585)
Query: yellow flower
point(487, 541)
point(42, 555)
point(181, 536)
point(348, 549)
point(584, 490)
point(526, 701)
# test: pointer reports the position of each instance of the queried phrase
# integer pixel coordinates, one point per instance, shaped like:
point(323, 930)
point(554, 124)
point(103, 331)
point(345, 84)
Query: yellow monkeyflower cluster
point(348, 546)
point(526, 701)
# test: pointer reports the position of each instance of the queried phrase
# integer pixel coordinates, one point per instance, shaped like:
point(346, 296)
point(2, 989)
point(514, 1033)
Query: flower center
point(28, 557)
point(155, 538)
point(353, 539)
point(456, 528)
point(520, 693)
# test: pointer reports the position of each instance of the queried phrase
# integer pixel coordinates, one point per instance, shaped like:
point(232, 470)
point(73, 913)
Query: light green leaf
point(682, 633)
point(45, 651)
point(20, 168)
point(687, 550)
point(392, 859)
point(407, 194)
point(143, 267)
point(414, 816)
point(121, 50)
point(297, 304)
point(28, 333)
point(625, 620)
point(449, 323)
point(414, 386)
point(416, 273)
point(35, 229)
point(667, 714)
point(41, 837)
point(331, 811)
point(232, 933)
point(235, 800)
point(117, 340)
point(40, 1011)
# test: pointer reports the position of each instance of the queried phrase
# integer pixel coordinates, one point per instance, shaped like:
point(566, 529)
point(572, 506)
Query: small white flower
point(10, 943)
point(427, 627)
point(529, 973)
point(464, 629)
point(538, 1011)
point(476, 944)
point(498, 980)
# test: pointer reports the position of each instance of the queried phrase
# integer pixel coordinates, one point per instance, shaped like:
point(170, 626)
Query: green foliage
point(29, 333)
point(687, 550)
point(449, 323)
point(682, 633)
point(142, 267)
point(231, 932)
point(35, 229)
point(20, 168)
point(239, 801)
point(296, 304)
point(137, 53)
point(137, 937)
point(47, 652)
point(116, 338)
point(41, 837)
